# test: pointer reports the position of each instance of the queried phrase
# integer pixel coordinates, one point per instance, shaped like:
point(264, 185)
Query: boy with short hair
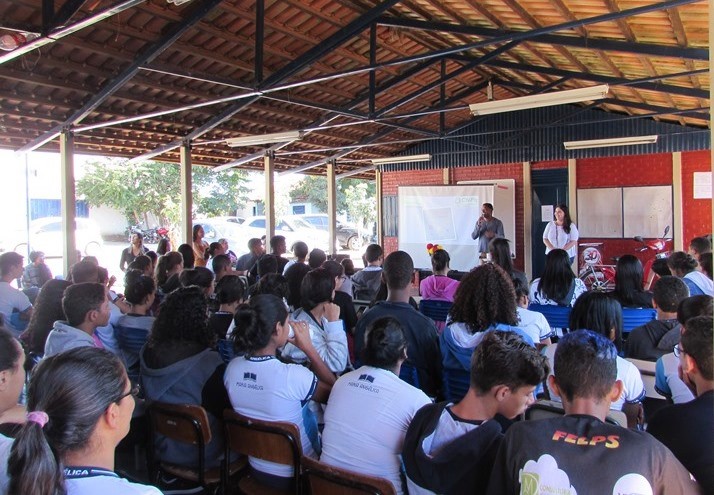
point(86, 307)
point(656, 338)
point(11, 299)
point(366, 282)
point(580, 452)
point(450, 448)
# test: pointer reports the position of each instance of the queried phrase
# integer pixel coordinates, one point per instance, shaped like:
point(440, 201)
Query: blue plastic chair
point(408, 373)
point(225, 349)
point(456, 384)
point(557, 316)
point(635, 317)
point(436, 310)
point(130, 341)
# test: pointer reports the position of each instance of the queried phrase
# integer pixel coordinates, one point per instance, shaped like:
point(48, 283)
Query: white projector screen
point(444, 215)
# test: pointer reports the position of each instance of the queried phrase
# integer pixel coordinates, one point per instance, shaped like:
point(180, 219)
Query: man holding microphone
point(487, 227)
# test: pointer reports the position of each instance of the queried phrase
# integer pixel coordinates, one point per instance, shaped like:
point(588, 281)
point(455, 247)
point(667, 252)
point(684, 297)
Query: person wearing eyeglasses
point(688, 429)
point(67, 444)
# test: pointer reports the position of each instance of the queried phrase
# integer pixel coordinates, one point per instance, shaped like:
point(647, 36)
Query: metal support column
point(372, 73)
point(332, 205)
point(186, 194)
point(69, 245)
point(573, 198)
point(380, 217)
point(527, 221)
point(269, 163)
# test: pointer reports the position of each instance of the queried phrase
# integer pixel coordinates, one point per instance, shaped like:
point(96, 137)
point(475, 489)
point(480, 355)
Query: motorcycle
point(655, 266)
point(150, 236)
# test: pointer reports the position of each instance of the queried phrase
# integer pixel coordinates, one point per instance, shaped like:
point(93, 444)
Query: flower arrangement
point(432, 248)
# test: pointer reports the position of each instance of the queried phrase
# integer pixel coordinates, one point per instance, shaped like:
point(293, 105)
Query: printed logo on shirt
point(363, 383)
point(544, 476)
point(632, 483)
point(609, 441)
point(366, 377)
point(249, 376)
point(249, 381)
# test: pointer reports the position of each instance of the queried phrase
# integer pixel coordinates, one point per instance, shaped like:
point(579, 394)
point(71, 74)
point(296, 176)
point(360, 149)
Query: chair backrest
point(456, 384)
point(130, 339)
point(434, 309)
point(408, 373)
point(557, 316)
point(635, 317)
point(647, 371)
point(543, 409)
point(274, 441)
point(225, 349)
point(322, 479)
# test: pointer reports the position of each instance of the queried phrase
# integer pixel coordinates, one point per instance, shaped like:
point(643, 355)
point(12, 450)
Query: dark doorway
point(550, 187)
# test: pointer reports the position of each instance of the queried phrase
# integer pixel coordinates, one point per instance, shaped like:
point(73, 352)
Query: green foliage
point(361, 205)
point(355, 197)
point(153, 187)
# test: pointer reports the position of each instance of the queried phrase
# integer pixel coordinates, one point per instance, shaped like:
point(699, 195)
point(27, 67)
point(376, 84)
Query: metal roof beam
point(554, 39)
point(300, 63)
point(66, 11)
point(196, 14)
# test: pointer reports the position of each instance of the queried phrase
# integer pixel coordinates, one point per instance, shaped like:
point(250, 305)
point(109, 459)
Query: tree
point(361, 205)
point(313, 189)
point(153, 187)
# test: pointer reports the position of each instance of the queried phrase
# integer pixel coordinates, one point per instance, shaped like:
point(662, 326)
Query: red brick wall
point(639, 170)
point(697, 212)
point(549, 164)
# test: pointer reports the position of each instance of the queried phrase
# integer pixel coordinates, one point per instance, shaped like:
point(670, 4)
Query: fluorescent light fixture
point(402, 159)
point(354, 172)
point(604, 143)
point(542, 100)
point(276, 137)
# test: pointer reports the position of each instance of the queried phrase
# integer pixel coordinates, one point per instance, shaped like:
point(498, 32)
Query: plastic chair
point(557, 316)
point(543, 409)
point(436, 310)
point(635, 317)
point(456, 384)
point(185, 423)
point(274, 441)
point(322, 479)
point(130, 341)
point(409, 374)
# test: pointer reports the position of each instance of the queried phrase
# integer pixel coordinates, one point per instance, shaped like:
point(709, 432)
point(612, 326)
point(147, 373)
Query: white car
point(293, 228)
point(46, 236)
point(215, 228)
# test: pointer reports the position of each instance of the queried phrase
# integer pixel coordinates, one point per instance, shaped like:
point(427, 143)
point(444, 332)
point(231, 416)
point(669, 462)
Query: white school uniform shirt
point(534, 324)
point(5, 446)
point(366, 419)
point(107, 484)
point(633, 389)
point(11, 299)
point(559, 238)
point(262, 387)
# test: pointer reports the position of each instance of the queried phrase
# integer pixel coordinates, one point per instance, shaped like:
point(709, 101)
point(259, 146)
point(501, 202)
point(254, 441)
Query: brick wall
point(697, 212)
point(639, 170)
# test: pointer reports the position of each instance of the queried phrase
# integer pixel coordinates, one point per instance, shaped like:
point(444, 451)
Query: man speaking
point(487, 227)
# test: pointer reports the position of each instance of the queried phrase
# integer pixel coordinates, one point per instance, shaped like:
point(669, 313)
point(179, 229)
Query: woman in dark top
point(348, 315)
point(230, 293)
point(168, 269)
point(189, 259)
point(129, 254)
point(47, 310)
point(178, 366)
point(629, 278)
point(501, 255)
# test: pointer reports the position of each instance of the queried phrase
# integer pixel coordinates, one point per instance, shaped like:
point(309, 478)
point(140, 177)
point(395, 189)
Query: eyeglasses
point(134, 392)
point(678, 351)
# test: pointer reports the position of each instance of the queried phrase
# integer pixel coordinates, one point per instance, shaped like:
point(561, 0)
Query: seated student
point(500, 251)
point(667, 379)
point(179, 366)
point(167, 272)
point(449, 448)
point(348, 315)
point(323, 318)
point(688, 429)
point(599, 313)
point(47, 310)
point(15, 307)
point(12, 379)
point(37, 272)
point(365, 283)
point(186, 252)
point(86, 307)
point(214, 249)
point(684, 266)
point(531, 322)
point(262, 387)
point(629, 280)
point(199, 276)
point(230, 293)
point(485, 300)
point(139, 292)
point(221, 266)
point(349, 267)
point(705, 263)
point(143, 264)
point(293, 277)
point(246, 262)
point(657, 337)
point(278, 248)
point(439, 286)
point(422, 340)
point(699, 246)
point(300, 250)
point(67, 444)
point(316, 258)
point(580, 452)
point(370, 408)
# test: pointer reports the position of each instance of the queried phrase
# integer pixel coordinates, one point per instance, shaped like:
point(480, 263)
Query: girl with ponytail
point(81, 403)
point(262, 387)
point(370, 408)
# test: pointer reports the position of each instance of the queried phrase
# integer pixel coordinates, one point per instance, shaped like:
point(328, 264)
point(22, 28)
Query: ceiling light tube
point(402, 159)
point(264, 139)
point(541, 100)
point(604, 143)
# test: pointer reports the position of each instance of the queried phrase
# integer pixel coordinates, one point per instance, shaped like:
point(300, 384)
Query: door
point(550, 187)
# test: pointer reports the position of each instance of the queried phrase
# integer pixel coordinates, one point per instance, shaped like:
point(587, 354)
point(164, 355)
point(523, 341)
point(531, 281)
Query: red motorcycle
point(655, 266)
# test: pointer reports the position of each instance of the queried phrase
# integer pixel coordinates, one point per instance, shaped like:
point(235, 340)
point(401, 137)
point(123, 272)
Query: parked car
point(348, 237)
point(215, 228)
point(46, 236)
point(292, 227)
point(236, 220)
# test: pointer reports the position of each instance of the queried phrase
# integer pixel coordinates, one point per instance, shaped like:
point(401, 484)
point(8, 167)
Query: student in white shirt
point(261, 387)
point(370, 408)
point(67, 444)
point(12, 378)
point(531, 322)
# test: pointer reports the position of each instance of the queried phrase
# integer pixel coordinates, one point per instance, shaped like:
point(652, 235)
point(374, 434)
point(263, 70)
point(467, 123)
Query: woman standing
point(561, 233)
point(200, 247)
point(67, 445)
point(129, 254)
